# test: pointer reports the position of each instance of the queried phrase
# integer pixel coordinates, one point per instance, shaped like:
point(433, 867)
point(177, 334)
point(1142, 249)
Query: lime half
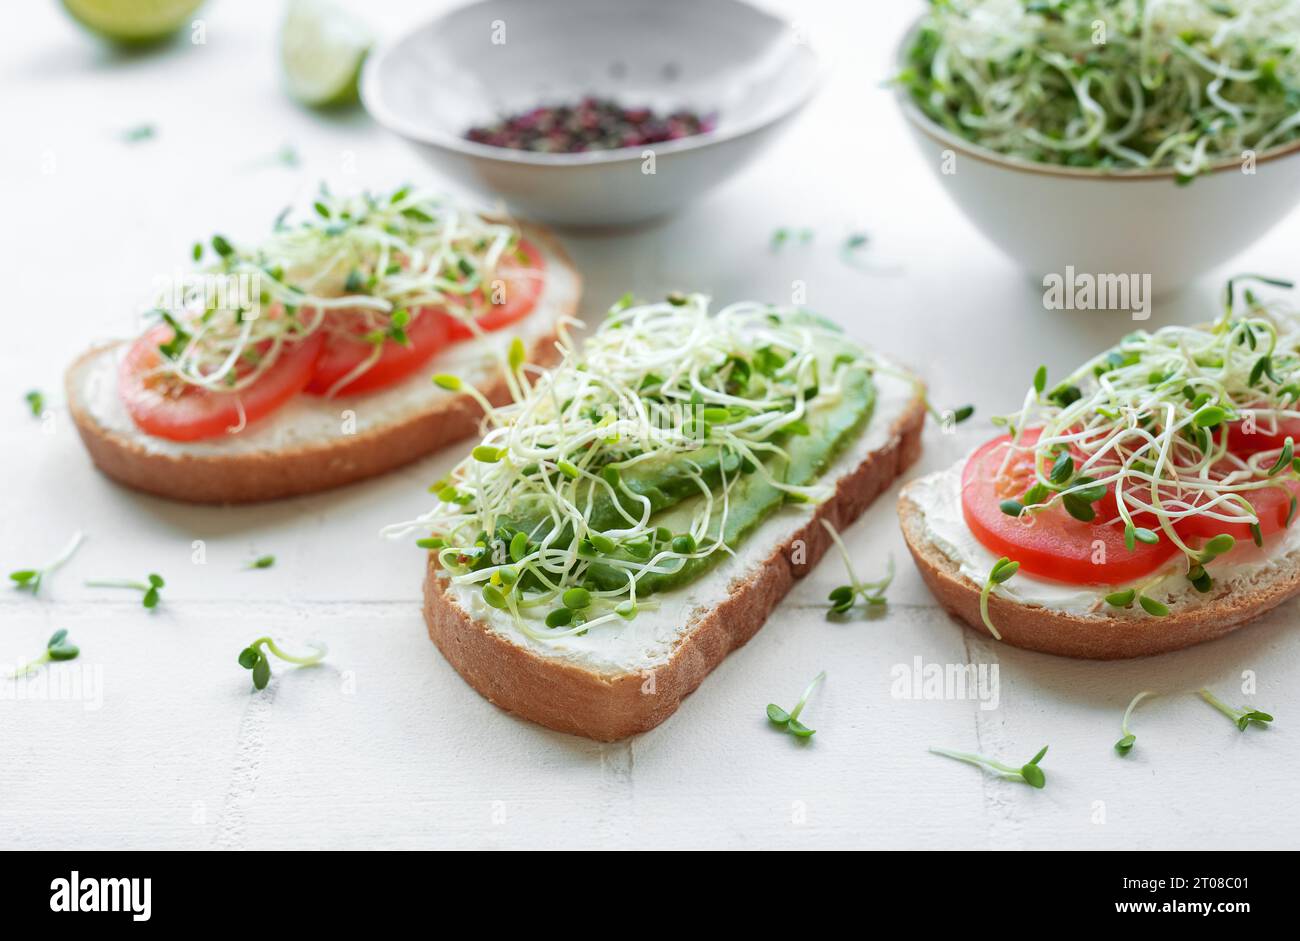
point(322, 49)
point(132, 21)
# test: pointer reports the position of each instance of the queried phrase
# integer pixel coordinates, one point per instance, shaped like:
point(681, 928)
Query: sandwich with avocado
point(639, 510)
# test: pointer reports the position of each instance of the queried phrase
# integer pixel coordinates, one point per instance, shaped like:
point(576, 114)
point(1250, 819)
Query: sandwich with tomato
point(304, 361)
point(1143, 503)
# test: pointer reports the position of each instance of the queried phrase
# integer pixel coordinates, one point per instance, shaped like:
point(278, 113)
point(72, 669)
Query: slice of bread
point(1105, 633)
point(314, 443)
point(625, 678)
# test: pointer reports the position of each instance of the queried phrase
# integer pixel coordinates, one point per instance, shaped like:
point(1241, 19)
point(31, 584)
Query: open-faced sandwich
point(1142, 504)
point(303, 362)
point(638, 511)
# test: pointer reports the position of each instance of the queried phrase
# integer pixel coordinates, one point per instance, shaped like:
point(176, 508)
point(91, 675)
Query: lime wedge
point(322, 49)
point(132, 21)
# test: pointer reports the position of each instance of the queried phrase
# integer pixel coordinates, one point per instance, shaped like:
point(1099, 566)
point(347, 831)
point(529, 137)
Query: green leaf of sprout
point(1209, 416)
point(1215, 547)
point(1284, 459)
point(1121, 599)
point(1033, 775)
point(1004, 570)
point(1062, 468)
point(1153, 607)
point(777, 714)
point(261, 673)
point(1078, 508)
point(576, 598)
point(494, 596)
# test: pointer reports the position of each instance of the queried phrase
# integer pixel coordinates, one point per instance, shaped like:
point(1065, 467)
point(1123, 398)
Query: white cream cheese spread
point(938, 496)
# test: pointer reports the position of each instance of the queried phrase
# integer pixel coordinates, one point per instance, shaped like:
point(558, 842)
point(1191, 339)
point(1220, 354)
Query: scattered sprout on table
point(843, 598)
point(254, 657)
point(1243, 717)
point(1030, 773)
point(1125, 744)
point(150, 588)
point(31, 579)
point(789, 721)
point(56, 648)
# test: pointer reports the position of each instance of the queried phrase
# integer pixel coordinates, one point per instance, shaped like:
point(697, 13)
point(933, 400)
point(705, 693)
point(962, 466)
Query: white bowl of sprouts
point(1110, 138)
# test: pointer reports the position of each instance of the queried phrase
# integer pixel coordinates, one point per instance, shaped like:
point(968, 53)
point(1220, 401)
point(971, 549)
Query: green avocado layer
point(670, 488)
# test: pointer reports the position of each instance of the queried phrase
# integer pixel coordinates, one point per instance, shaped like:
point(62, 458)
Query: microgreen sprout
point(789, 721)
point(35, 400)
point(31, 579)
point(783, 235)
point(1002, 570)
point(1140, 437)
point(1125, 597)
point(954, 416)
point(1030, 773)
point(365, 266)
point(56, 648)
point(139, 133)
point(853, 243)
point(1179, 85)
point(667, 412)
point(1243, 717)
point(151, 587)
point(1125, 744)
point(843, 598)
point(255, 657)
point(261, 562)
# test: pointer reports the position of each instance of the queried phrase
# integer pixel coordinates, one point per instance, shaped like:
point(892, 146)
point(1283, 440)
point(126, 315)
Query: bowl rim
point(936, 132)
point(373, 100)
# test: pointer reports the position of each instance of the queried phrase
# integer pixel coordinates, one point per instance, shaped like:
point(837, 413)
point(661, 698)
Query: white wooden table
point(385, 746)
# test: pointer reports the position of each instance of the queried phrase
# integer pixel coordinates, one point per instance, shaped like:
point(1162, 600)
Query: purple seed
point(591, 124)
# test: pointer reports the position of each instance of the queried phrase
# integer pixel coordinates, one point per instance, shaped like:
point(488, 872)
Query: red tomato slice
point(1054, 545)
point(1272, 505)
point(1242, 443)
point(522, 286)
point(345, 350)
point(164, 407)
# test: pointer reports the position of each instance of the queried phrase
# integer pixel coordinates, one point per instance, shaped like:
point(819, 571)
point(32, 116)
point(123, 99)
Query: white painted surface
point(385, 746)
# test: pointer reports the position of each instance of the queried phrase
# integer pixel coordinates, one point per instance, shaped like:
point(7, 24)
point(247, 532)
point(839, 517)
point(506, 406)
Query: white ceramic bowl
point(1118, 222)
point(721, 57)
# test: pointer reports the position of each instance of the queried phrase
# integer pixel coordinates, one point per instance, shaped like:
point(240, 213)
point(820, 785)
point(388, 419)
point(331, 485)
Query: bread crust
point(612, 706)
point(1093, 637)
point(254, 476)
